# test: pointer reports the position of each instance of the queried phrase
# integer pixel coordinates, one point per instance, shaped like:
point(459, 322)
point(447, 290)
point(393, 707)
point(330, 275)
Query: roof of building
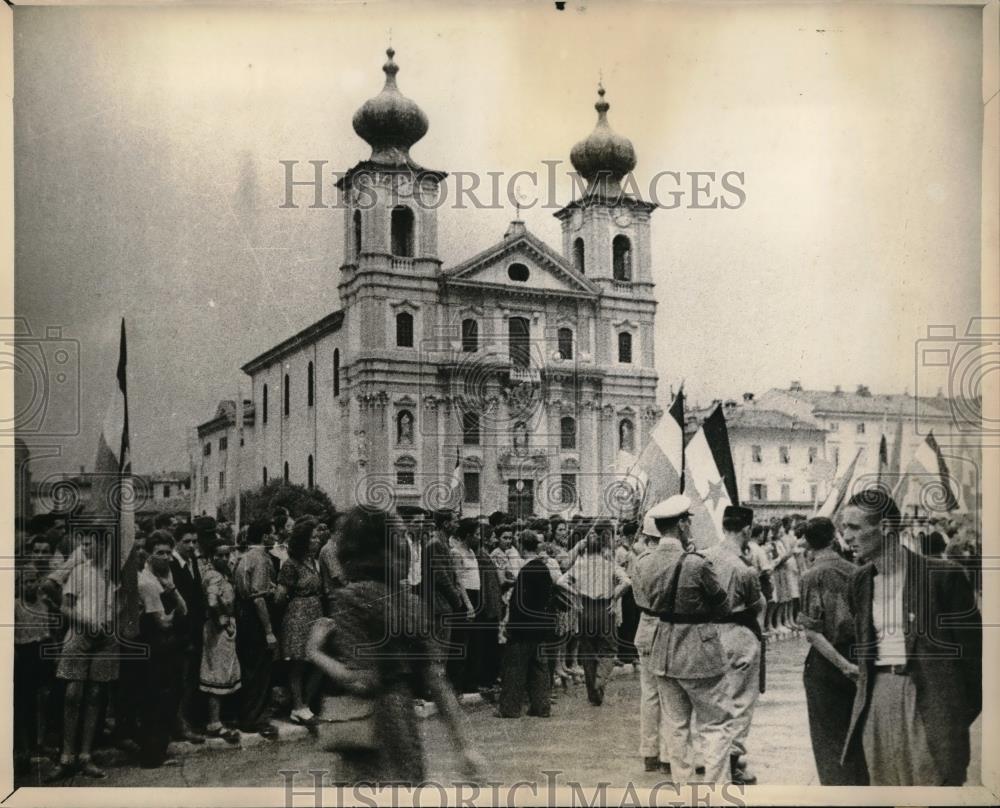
point(867, 403)
point(749, 416)
point(518, 236)
point(306, 336)
point(225, 415)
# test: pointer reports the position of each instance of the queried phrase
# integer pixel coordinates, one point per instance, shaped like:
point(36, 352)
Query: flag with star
point(661, 462)
point(710, 478)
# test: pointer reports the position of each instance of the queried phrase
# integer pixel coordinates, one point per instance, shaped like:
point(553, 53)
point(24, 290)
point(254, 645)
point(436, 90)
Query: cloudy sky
point(148, 182)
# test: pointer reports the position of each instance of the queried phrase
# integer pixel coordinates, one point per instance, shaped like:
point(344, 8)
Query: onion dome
point(604, 156)
point(390, 122)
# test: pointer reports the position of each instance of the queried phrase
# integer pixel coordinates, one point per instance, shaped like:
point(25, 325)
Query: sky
point(148, 181)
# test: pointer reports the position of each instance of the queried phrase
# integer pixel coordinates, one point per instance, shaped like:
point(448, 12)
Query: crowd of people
point(239, 627)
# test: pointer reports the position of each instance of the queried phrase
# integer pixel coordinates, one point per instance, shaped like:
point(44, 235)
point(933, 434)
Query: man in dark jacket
point(919, 654)
point(440, 591)
point(486, 627)
point(531, 625)
point(188, 627)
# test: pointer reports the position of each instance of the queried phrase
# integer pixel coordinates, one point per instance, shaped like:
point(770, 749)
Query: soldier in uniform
point(652, 733)
point(687, 656)
point(741, 633)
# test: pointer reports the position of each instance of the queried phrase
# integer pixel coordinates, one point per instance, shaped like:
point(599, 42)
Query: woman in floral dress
point(220, 667)
point(300, 586)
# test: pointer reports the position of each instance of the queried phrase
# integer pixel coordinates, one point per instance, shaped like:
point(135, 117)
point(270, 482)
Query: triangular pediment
point(547, 271)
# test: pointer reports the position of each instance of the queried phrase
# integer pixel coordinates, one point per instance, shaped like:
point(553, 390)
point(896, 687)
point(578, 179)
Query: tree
point(262, 502)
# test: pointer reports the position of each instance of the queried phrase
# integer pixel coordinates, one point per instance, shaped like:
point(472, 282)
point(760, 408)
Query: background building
point(522, 370)
point(220, 458)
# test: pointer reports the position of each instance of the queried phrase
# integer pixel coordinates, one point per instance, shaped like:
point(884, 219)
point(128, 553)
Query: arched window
point(404, 330)
point(263, 404)
point(336, 371)
point(625, 348)
point(357, 234)
point(309, 385)
point(567, 432)
point(265, 475)
point(288, 397)
point(578, 256)
point(401, 227)
point(626, 435)
point(309, 472)
point(519, 340)
point(470, 335)
point(565, 343)
point(621, 262)
point(286, 471)
point(518, 272)
point(404, 428)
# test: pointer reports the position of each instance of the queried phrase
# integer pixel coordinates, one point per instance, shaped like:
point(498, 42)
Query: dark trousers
point(597, 644)
point(128, 696)
point(161, 701)
point(463, 662)
point(626, 634)
point(829, 700)
point(256, 662)
point(525, 675)
point(28, 682)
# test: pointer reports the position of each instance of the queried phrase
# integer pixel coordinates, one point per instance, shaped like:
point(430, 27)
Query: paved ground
point(586, 744)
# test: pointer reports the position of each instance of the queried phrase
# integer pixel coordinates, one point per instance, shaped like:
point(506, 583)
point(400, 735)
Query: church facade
point(520, 379)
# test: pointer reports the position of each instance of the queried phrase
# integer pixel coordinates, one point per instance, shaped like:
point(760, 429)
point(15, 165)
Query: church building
point(523, 372)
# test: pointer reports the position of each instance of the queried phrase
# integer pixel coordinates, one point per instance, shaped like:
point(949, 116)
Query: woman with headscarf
point(220, 668)
point(380, 650)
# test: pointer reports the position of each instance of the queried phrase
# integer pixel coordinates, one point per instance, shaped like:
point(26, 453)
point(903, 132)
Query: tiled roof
point(751, 417)
point(825, 401)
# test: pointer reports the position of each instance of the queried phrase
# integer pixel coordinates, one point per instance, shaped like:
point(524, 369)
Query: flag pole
point(238, 423)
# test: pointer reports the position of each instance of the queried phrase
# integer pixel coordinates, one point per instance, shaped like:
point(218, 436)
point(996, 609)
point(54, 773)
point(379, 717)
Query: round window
point(518, 272)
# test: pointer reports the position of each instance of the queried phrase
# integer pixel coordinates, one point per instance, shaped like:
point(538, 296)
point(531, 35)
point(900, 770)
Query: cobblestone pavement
point(585, 744)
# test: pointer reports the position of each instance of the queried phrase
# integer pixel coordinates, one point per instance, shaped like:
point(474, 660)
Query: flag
point(838, 493)
point(710, 478)
point(630, 484)
point(456, 493)
point(883, 460)
point(897, 448)
point(661, 461)
point(927, 483)
point(114, 497)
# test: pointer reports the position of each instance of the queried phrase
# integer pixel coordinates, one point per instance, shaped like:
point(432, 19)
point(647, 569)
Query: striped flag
point(114, 496)
point(838, 493)
point(927, 482)
point(661, 461)
point(711, 478)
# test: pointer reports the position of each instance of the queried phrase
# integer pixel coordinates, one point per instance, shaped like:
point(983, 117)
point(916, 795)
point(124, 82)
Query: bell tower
point(390, 219)
point(606, 231)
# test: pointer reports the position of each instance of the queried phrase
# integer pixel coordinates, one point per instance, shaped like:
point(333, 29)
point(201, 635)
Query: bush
point(262, 502)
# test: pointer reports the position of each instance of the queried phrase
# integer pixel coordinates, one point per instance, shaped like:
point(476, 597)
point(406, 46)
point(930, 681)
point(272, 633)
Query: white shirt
point(888, 617)
point(466, 566)
point(414, 576)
